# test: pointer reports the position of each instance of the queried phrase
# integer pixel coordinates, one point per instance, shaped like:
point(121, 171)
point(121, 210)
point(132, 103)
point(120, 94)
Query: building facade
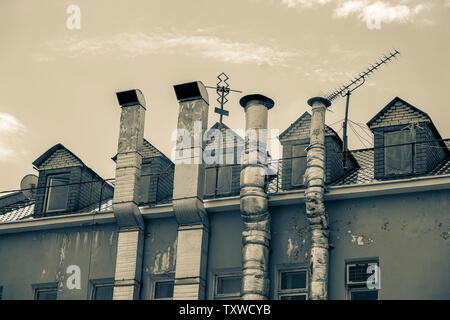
point(183, 229)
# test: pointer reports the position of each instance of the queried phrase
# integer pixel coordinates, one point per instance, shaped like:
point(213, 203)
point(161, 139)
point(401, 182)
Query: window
point(292, 284)
point(103, 292)
point(227, 286)
point(398, 158)
point(1, 292)
point(363, 294)
point(57, 192)
point(163, 290)
point(224, 177)
point(362, 279)
point(45, 291)
point(298, 164)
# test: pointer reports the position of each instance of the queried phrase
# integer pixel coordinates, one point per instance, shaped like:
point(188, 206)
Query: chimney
point(191, 216)
point(254, 208)
point(126, 192)
point(314, 180)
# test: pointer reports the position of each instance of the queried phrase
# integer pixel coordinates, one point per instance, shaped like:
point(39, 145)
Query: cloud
point(201, 45)
point(378, 12)
point(372, 12)
point(10, 128)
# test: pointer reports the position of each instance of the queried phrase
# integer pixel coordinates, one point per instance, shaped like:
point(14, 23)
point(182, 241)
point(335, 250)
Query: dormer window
point(298, 164)
point(57, 192)
point(399, 153)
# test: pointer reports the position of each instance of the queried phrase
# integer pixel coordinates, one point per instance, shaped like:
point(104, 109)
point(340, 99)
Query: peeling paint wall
point(408, 232)
point(160, 248)
point(290, 239)
point(43, 257)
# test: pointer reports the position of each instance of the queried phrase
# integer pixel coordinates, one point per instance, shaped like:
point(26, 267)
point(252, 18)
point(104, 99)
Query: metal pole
point(344, 137)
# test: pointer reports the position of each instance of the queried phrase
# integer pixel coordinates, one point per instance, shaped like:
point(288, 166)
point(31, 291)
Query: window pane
point(224, 181)
point(365, 295)
point(57, 192)
point(298, 164)
point(46, 294)
point(104, 293)
point(210, 181)
point(293, 280)
point(398, 159)
point(228, 285)
point(358, 273)
point(164, 290)
point(298, 297)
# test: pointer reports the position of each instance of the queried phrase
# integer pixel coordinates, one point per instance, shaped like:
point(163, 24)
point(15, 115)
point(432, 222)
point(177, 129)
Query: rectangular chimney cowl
point(131, 97)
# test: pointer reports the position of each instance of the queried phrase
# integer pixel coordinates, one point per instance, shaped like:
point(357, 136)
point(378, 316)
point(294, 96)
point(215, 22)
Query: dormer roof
point(148, 151)
point(57, 156)
point(400, 112)
point(397, 112)
point(301, 128)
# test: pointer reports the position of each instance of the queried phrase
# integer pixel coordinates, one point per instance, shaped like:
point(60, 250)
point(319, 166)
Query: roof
point(398, 112)
point(411, 112)
point(223, 129)
point(148, 151)
point(365, 173)
point(301, 127)
point(47, 155)
point(25, 210)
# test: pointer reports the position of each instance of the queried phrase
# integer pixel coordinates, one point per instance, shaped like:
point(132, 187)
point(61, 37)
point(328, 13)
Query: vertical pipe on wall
point(314, 180)
point(253, 200)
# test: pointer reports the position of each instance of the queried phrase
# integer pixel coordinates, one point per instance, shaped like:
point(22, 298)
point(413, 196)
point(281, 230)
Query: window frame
point(292, 163)
point(44, 287)
point(96, 283)
point(225, 273)
point(349, 288)
point(413, 146)
point(360, 289)
point(289, 268)
point(48, 189)
point(158, 279)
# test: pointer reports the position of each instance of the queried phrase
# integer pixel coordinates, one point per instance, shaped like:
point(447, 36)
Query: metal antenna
point(347, 89)
point(223, 89)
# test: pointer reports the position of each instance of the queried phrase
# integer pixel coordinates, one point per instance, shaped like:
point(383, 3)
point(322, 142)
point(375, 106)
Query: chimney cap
point(130, 98)
point(191, 91)
point(267, 102)
point(325, 101)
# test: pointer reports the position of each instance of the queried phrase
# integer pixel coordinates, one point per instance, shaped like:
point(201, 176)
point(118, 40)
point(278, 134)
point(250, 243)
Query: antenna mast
point(347, 89)
point(223, 89)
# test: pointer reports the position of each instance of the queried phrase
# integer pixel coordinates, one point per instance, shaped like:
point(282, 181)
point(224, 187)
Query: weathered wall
point(290, 239)
point(43, 257)
point(160, 248)
point(225, 244)
point(410, 235)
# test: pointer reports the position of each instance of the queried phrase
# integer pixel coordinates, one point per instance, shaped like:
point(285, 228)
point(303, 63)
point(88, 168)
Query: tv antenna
point(223, 89)
point(347, 89)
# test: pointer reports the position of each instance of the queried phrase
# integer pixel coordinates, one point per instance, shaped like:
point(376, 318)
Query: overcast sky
point(58, 85)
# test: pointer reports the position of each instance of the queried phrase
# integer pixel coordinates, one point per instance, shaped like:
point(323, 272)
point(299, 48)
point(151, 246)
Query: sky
point(58, 82)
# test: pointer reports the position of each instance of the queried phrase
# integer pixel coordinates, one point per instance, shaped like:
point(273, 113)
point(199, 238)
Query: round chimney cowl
point(267, 102)
point(325, 101)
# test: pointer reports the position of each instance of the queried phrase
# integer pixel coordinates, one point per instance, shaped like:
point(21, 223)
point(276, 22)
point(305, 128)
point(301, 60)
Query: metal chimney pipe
point(314, 180)
point(253, 201)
